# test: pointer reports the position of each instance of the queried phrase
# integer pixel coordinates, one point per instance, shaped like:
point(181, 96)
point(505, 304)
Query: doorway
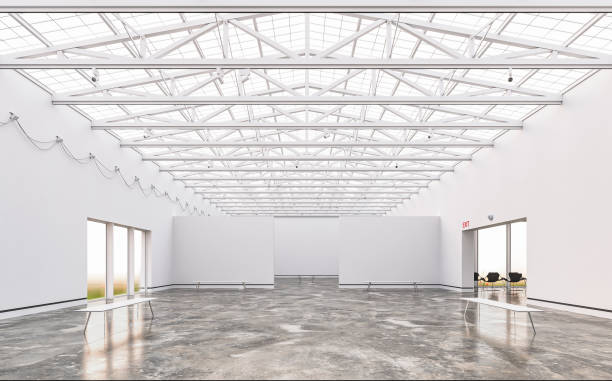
point(501, 256)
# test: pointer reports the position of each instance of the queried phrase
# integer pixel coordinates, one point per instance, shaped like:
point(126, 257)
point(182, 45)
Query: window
point(98, 263)
point(96, 260)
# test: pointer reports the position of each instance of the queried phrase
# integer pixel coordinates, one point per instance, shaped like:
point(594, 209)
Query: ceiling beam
point(302, 170)
point(318, 6)
point(315, 192)
point(303, 63)
point(309, 144)
point(194, 126)
point(300, 100)
point(308, 158)
point(315, 186)
point(305, 197)
point(292, 179)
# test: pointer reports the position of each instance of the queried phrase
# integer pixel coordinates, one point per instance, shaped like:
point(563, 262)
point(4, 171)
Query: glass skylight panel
point(60, 28)
point(597, 38)
point(59, 80)
point(14, 37)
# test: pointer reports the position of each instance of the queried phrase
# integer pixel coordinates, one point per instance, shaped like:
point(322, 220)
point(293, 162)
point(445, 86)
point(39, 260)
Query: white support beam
point(331, 100)
point(399, 198)
point(310, 144)
point(311, 63)
point(307, 158)
point(301, 179)
point(304, 170)
point(191, 126)
point(317, 6)
point(290, 203)
point(260, 188)
point(291, 192)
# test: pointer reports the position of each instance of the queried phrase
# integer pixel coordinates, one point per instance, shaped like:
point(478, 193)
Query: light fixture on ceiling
point(95, 75)
point(510, 79)
point(244, 75)
point(219, 74)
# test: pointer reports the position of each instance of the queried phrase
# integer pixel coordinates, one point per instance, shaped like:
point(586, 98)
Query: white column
point(110, 245)
point(130, 264)
point(508, 252)
point(148, 255)
point(143, 261)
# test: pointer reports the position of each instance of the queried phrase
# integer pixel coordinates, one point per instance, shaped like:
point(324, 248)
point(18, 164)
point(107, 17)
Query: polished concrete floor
point(307, 331)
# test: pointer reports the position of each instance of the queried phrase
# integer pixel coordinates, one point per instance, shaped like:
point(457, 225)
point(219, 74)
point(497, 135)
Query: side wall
point(306, 245)
point(556, 174)
point(389, 249)
point(224, 249)
point(46, 198)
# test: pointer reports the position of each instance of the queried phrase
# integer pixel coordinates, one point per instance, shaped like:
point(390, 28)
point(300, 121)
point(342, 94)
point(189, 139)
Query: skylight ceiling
point(297, 113)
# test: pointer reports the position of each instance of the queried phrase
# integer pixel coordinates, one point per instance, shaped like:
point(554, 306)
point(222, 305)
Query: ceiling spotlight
point(95, 75)
point(244, 75)
point(219, 74)
point(510, 79)
point(396, 165)
point(326, 134)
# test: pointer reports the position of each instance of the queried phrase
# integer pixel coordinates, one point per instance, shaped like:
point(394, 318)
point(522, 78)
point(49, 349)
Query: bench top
point(213, 283)
point(508, 306)
point(112, 306)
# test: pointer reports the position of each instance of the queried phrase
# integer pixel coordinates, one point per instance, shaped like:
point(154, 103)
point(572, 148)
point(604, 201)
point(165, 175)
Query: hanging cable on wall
point(104, 170)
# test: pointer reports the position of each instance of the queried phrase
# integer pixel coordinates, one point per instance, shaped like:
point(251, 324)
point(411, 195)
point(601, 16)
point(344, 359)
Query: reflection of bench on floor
point(243, 284)
point(507, 306)
point(409, 283)
point(113, 306)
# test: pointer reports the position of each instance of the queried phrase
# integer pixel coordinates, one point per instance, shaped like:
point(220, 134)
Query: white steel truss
point(274, 113)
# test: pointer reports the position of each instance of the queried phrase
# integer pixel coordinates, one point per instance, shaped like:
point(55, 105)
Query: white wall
point(46, 198)
point(555, 173)
point(306, 245)
point(389, 249)
point(224, 249)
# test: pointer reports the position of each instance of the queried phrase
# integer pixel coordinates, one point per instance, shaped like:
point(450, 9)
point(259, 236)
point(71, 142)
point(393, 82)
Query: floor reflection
point(114, 342)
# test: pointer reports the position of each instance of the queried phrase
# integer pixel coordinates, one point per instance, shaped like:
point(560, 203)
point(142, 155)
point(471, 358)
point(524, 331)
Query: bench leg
point(531, 320)
point(466, 307)
point(369, 284)
point(86, 322)
point(151, 308)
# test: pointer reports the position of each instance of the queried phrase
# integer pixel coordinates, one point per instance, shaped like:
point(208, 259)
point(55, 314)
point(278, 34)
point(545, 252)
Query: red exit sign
point(465, 224)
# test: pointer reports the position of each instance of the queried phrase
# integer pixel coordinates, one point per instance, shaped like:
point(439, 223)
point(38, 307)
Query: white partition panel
point(389, 249)
point(306, 245)
point(224, 249)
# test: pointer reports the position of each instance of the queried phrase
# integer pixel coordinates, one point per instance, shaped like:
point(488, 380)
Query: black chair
point(492, 278)
point(514, 277)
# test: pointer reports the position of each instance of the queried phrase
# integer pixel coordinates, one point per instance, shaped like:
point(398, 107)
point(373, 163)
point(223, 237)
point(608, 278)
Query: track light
point(510, 79)
point(326, 134)
point(244, 75)
point(95, 75)
point(219, 74)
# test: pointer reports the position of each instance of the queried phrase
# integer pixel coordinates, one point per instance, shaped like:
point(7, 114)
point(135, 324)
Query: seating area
point(305, 190)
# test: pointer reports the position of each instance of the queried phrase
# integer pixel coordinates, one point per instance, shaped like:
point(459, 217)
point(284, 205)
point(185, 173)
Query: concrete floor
point(304, 330)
